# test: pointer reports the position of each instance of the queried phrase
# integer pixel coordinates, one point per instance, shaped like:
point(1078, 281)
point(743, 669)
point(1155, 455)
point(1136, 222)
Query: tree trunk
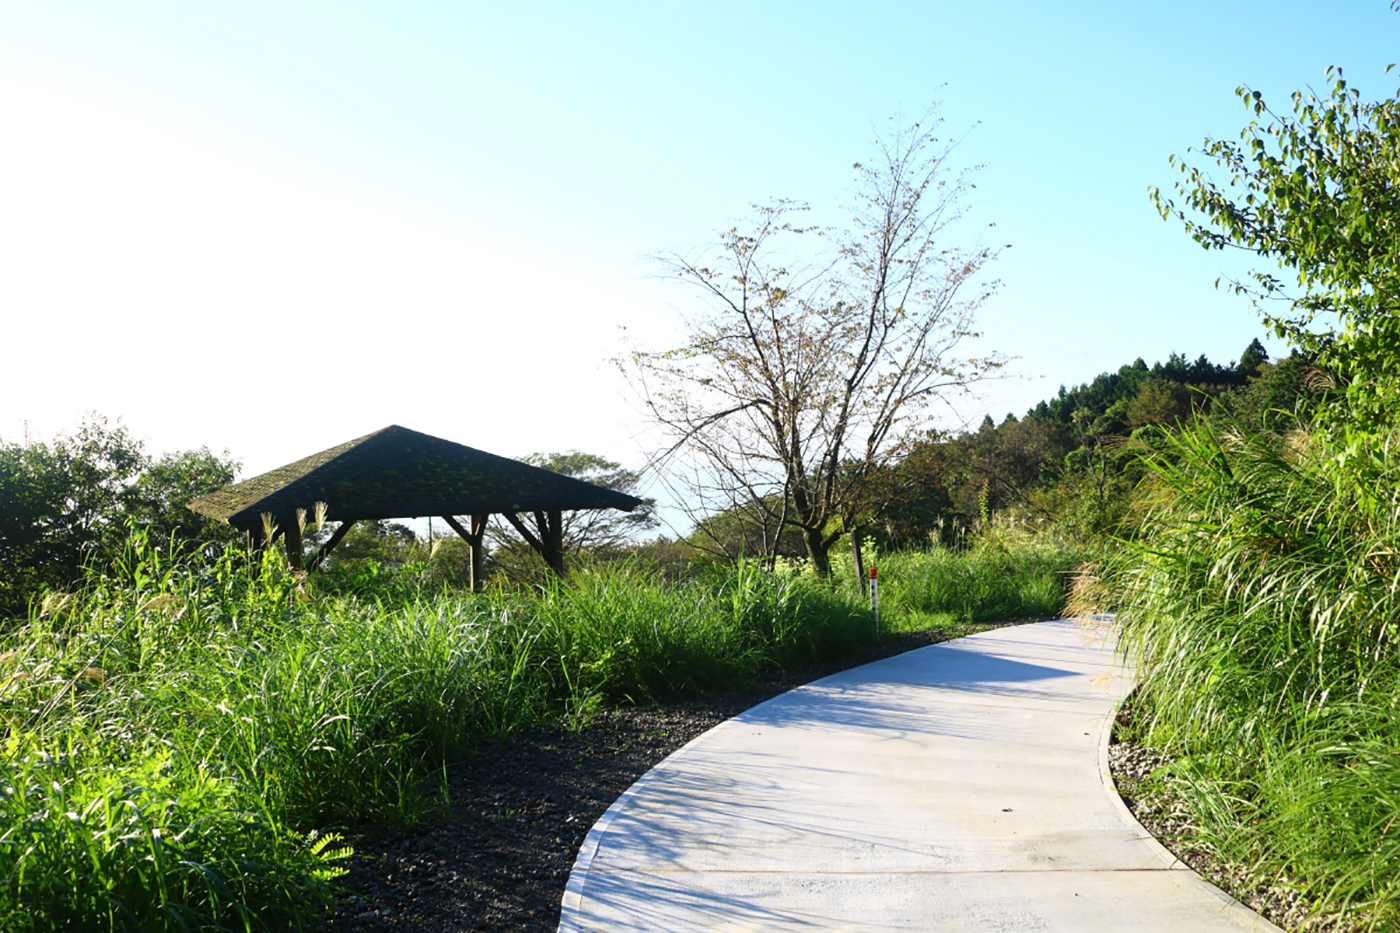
point(817, 551)
point(859, 559)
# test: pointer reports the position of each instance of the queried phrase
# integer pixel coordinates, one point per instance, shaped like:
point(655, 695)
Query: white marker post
point(875, 600)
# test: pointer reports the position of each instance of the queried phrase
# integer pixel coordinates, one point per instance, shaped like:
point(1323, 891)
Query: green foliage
point(177, 727)
point(750, 530)
point(1159, 401)
point(1253, 358)
point(1002, 575)
point(58, 502)
point(599, 529)
point(671, 560)
point(1317, 194)
point(1091, 501)
point(1112, 390)
point(945, 487)
point(1261, 603)
point(1260, 596)
point(69, 501)
point(1075, 460)
point(390, 544)
point(157, 498)
point(105, 837)
point(122, 808)
point(1278, 398)
point(915, 498)
point(620, 635)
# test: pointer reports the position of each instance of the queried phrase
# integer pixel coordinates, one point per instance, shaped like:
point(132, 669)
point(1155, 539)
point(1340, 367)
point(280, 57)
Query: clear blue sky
point(275, 226)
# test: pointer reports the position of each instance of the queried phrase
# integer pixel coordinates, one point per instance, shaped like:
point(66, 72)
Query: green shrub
point(622, 633)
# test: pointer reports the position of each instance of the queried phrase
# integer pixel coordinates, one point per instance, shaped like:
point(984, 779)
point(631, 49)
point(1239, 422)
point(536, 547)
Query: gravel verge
point(496, 852)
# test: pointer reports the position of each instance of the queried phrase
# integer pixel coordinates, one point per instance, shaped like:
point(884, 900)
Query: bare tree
point(816, 350)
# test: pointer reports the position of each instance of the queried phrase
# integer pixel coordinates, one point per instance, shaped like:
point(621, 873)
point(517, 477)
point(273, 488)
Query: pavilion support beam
point(292, 534)
point(548, 538)
point(525, 533)
point(551, 525)
point(478, 552)
point(475, 546)
point(556, 524)
point(337, 537)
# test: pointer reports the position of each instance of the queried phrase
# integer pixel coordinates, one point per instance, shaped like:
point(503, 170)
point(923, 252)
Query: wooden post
point(475, 546)
point(293, 541)
point(548, 541)
point(329, 546)
point(554, 541)
point(478, 553)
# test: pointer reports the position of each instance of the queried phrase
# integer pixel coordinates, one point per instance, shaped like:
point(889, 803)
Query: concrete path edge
point(1111, 789)
point(573, 901)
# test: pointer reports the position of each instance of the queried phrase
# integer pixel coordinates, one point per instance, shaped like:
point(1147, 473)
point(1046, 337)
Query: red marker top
point(872, 573)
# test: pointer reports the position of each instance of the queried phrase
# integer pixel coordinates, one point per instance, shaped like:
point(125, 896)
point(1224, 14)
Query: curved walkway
point(961, 787)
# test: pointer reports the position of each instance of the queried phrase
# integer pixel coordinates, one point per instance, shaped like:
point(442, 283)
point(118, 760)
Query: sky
point(270, 227)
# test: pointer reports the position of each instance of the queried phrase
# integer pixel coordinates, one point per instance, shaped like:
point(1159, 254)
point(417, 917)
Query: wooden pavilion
point(398, 473)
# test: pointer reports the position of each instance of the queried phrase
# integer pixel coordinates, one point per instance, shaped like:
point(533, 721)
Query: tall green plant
point(1261, 601)
point(177, 729)
point(1002, 575)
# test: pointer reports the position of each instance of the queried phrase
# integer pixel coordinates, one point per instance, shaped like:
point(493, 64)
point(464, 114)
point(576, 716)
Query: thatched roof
point(398, 473)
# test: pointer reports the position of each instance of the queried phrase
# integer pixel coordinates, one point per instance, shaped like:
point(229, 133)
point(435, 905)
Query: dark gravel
point(497, 854)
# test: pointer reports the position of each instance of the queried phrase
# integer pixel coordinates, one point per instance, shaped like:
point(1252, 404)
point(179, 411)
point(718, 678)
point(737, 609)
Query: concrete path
point(960, 787)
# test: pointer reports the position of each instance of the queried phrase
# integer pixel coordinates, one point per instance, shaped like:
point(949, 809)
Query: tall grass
point(1263, 603)
point(176, 731)
point(1002, 575)
point(619, 633)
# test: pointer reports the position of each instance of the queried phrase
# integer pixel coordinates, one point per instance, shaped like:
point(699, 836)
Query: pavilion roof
point(398, 473)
